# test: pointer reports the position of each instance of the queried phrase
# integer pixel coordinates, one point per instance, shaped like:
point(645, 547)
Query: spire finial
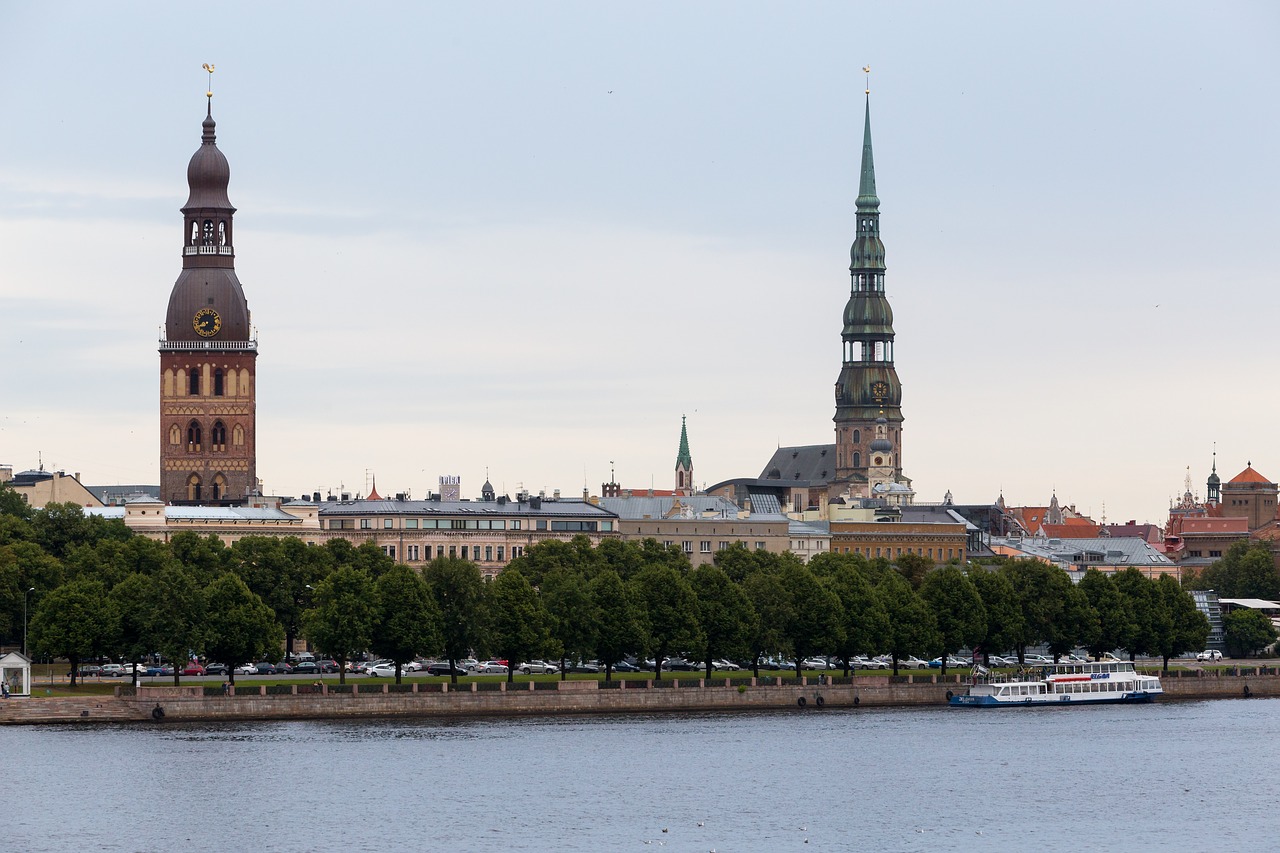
point(867, 200)
point(208, 66)
point(866, 69)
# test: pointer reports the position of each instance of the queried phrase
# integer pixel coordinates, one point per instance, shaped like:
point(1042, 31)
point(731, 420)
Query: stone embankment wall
point(253, 702)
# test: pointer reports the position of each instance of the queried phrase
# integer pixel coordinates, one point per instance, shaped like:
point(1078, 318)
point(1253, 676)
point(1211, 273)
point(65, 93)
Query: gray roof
point(813, 462)
point(206, 513)
point(926, 514)
point(123, 492)
point(642, 506)
point(809, 528)
point(561, 507)
point(765, 503)
point(1113, 551)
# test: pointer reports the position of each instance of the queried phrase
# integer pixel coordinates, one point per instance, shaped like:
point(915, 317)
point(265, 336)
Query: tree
point(914, 567)
point(129, 611)
point(911, 625)
point(572, 616)
point(1188, 628)
point(517, 620)
point(1247, 570)
point(576, 556)
point(1114, 618)
point(239, 627)
point(864, 627)
point(406, 620)
point(340, 622)
point(772, 606)
point(24, 565)
point(813, 619)
point(1142, 634)
point(1004, 615)
point(70, 622)
point(59, 526)
point(175, 620)
point(617, 625)
point(13, 504)
point(1247, 631)
point(1037, 589)
point(283, 571)
point(458, 592)
point(1074, 623)
point(724, 614)
point(957, 608)
point(668, 611)
point(204, 558)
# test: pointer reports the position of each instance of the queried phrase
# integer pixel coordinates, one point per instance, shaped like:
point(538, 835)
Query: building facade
point(209, 352)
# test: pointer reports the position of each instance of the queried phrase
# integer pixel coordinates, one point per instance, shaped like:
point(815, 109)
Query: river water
point(1176, 776)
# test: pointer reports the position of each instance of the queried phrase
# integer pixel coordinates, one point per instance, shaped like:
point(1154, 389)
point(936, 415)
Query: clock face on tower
point(879, 391)
point(207, 322)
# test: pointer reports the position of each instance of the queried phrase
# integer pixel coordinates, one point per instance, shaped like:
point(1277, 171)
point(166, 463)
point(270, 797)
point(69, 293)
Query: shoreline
point(437, 700)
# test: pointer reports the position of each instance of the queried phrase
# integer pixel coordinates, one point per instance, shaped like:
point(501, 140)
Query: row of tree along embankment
point(495, 699)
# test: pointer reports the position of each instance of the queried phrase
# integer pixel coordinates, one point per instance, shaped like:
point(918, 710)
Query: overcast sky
point(526, 238)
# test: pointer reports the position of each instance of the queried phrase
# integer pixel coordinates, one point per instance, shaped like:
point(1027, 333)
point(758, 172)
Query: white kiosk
point(15, 673)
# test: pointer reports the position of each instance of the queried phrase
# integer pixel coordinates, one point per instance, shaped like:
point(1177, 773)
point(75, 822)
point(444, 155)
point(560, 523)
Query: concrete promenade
point(495, 699)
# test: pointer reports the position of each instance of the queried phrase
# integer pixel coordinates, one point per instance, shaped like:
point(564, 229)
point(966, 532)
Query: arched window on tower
point(175, 434)
point(193, 487)
point(237, 436)
point(217, 382)
point(208, 232)
point(194, 437)
point(195, 232)
point(219, 487)
point(218, 436)
point(857, 460)
point(222, 233)
point(857, 436)
point(194, 390)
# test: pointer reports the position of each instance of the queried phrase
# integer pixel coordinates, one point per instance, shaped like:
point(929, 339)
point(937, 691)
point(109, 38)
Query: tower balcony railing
point(208, 250)
point(209, 346)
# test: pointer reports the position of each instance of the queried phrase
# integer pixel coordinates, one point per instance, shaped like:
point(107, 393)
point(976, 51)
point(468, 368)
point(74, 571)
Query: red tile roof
point(1248, 475)
point(1214, 525)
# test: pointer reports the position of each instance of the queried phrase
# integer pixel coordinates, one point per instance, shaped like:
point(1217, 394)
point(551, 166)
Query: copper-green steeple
point(867, 200)
point(682, 455)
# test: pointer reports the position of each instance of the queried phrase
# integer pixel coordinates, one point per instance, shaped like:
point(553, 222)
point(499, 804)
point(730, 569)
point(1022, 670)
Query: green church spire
point(683, 459)
point(867, 200)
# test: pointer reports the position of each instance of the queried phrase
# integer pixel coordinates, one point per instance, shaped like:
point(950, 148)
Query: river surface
point(1172, 776)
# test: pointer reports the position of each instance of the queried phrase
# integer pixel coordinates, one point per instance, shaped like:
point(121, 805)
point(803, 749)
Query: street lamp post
point(24, 619)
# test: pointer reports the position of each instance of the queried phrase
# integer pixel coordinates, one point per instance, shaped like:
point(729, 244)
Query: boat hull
point(1133, 698)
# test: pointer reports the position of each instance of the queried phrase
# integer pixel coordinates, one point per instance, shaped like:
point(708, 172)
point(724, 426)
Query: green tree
point(864, 626)
point(1143, 630)
point(1037, 589)
point(71, 623)
point(1247, 570)
point(1188, 628)
point(668, 611)
point(283, 572)
point(572, 616)
point(1247, 631)
point(175, 623)
point(575, 556)
point(13, 504)
point(458, 591)
point(724, 614)
point(1074, 623)
point(517, 620)
point(1114, 618)
point(23, 566)
point(958, 611)
point(239, 627)
point(617, 625)
point(813, 623)
point(1004, 615)
point(911, 625)
point(914, 567)
point(60, 526)
point(204, 558)
point(406, 620)
point(129, 609)
point(771, 602)
point(340, 622)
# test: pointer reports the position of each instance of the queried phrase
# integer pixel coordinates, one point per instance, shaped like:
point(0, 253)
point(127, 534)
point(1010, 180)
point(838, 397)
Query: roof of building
point(763, 502)
point(813, 462)
point(1070, 530)
point(1248, 475)
point(1203, 525)
point(1251, 603)
point(809, 528)
point(534, 506)
point(933, 514)
point(641, 508)
point(1115, 551)
point(205, 513)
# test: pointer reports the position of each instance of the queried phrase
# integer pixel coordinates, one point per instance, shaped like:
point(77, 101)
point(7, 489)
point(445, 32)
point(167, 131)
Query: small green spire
point(682, 457)
point(867, 200)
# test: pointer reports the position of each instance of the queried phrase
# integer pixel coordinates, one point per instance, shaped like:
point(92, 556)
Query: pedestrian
point(4, 686)
point(226, 688)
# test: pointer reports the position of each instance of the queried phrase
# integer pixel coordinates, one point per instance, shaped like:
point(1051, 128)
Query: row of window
point(418, 554)
point(866, 282)
point(206, 235)
point(704, 546)
point(951, 553)
point(232, 383)
point(1201, 553)
point(473, 524)
point(195, 488)
point(217, 437)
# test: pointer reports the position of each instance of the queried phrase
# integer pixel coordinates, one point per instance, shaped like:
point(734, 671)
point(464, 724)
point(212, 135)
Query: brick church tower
point(209, 351)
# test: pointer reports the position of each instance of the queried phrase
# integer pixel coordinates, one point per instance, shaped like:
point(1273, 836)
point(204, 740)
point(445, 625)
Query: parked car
point(492, 668)
point(815, 663)
point(539, 667)
point(112, 670)
point(247, 669)
point(284, 668)
point(193, 667)
point(1037, 660)
point(726, 665)
point(584, 666)
point(264, 668)
point(1206, 655)
point(216, 669)
point(381, 670)
point(443, 668)
point(327, 665)
point(304, 667)
point(90, 670)
point(876, 663)
point(159, 669)
point(625, 666)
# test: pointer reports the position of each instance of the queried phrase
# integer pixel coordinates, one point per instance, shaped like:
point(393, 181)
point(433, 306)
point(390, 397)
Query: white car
point(247, 669)
point(539, 667)
point(381, 670)
point(492, 668)
point(727, 665)
point(1206, 655)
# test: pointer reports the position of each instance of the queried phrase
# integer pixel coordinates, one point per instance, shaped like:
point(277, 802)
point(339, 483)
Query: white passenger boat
point(1060, 684)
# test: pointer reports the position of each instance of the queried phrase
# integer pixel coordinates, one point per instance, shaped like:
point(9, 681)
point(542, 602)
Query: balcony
point(209, 346)
point(208, 250)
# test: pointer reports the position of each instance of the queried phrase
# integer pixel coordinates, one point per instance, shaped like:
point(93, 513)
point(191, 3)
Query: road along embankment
point(199, 703)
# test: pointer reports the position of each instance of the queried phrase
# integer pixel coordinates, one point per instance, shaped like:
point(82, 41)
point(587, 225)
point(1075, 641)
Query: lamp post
point(24, 619)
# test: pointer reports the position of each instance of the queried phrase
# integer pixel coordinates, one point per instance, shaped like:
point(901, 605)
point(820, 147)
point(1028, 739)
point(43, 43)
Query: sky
point(522, 240)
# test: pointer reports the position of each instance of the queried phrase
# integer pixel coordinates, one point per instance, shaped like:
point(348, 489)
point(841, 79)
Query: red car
point(193, 667)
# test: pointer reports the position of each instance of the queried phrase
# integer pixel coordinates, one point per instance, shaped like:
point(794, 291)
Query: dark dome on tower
point(208, 173)
point(881, 445)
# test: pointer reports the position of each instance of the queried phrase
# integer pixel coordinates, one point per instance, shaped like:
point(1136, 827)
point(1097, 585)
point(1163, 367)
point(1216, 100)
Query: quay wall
point(301, 702)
